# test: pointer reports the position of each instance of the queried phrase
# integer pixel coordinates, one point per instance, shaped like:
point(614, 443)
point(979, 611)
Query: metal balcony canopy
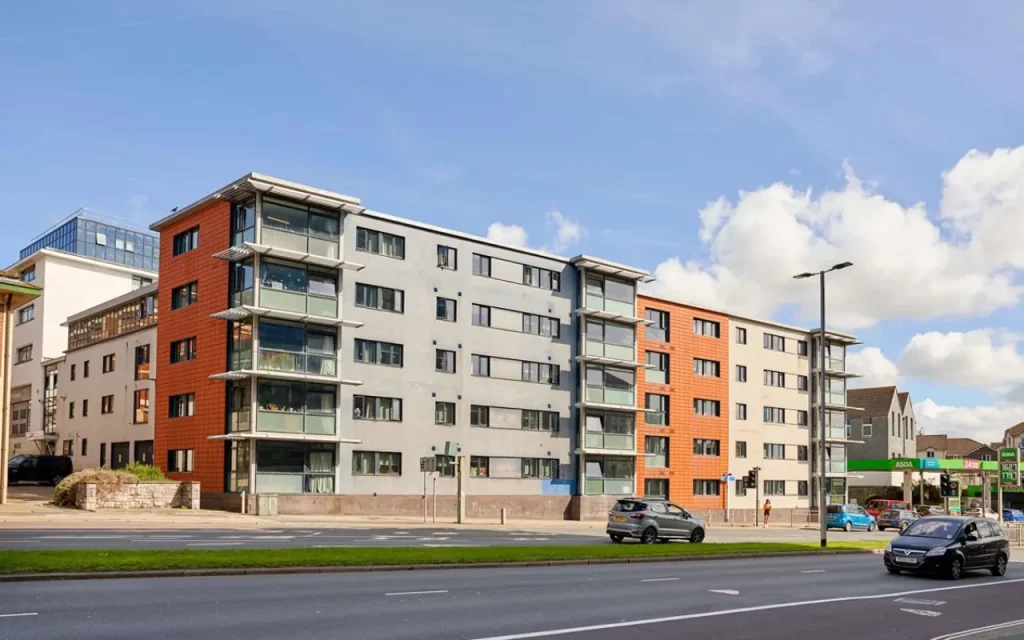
point(835, 336)
point(247, 311)
point(613, 269)
point(264, 435)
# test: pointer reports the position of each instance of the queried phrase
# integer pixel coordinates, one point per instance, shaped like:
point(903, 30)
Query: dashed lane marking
point(659, 580)
point(416, 593)
point(923, 612)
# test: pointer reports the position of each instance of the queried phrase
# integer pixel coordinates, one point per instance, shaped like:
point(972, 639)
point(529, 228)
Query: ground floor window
point(294, 467)
point(706, 487)
point(656, 488)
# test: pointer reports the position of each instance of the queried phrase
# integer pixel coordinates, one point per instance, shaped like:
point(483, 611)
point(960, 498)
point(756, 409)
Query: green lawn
point(76, 561)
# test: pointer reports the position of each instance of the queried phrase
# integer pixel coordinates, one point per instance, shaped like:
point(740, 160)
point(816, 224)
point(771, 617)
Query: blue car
point(1013, 515)
point(849, 517)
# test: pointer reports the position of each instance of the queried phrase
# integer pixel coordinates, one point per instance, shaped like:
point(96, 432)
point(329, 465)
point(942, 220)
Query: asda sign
point(1009, 467)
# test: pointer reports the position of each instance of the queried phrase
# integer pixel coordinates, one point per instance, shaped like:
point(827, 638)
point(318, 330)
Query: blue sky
point(627, 119)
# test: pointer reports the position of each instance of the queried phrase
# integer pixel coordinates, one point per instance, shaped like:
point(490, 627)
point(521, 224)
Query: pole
point(757, 496)
point(984, 497)
point(460, 499)
point(424, 497)
point(727, 487)
point(434, 507)
point(999, 511)
point(6, 344)
point(921, 492)
point(822, 489)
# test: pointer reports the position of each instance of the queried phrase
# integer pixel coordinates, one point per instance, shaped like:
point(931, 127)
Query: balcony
point(296, 422)
point(322, 365)
point(597, 306)
point(611, 398)
point(601, 441)
point(607, 353)
point(609, 476)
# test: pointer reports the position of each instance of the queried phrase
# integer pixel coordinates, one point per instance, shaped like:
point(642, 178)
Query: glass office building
point(93, 238)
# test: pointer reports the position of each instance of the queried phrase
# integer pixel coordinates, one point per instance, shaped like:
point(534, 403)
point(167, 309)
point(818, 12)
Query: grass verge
point(91, 560)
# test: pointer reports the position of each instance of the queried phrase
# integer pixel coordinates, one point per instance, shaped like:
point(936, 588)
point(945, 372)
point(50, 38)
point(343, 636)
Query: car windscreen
point(928, 528)
point(16, 460)
point(834, 508)
point(628, 506)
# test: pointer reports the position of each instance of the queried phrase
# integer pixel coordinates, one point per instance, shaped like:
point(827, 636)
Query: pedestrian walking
point(767, 511)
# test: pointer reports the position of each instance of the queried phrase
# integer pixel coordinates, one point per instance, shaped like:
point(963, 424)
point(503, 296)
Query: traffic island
point(90, 564)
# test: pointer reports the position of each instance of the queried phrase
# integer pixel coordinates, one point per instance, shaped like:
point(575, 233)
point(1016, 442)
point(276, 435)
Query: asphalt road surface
point(837, 597)
point(183, 538)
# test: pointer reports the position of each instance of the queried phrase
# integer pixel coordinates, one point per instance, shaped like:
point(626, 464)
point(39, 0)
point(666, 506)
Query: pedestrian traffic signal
point(944, 488)
point(954, 488)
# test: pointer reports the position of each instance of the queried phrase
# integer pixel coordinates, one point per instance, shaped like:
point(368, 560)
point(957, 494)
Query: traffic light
point(944, 488)
point(752, 478)
point(954, 488)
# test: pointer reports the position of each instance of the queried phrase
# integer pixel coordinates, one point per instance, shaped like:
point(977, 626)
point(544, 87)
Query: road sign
point(1009, 467)
point(428, 464)
point(728, 478)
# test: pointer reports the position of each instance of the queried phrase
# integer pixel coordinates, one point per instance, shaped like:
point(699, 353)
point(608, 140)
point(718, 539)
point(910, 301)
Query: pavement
point(837, 597)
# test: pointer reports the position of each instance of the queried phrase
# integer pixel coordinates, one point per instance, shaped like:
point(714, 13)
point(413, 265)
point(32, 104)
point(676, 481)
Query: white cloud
point(983, 423)
point(979, 358)
point(874, 368)
point(507, 234)
point(904, 265)
point(565, 232)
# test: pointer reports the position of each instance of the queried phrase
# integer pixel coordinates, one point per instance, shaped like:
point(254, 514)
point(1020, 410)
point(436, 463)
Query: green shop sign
point(921, 464)
point(1009, 467)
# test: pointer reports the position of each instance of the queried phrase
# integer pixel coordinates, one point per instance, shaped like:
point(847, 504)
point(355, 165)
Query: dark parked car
point(48, 469)
point(897, 520)
point(949, 546)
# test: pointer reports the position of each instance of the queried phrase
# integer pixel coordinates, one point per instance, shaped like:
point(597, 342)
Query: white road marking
point(444, 533)
point(401, 533)
point(213, 544)
point(659, 580)
point(728, 592)
point(814, 571)
point(454, 544)
point(927, 603)
point(257, 537)
point(415, 593)
point(922, 612)
point(528, 539)
point(974, 632)
point(726, 612)
point(82, 537)
point(17, 615)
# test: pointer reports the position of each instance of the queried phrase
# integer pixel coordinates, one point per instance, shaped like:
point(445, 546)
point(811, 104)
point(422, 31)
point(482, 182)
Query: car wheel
point(615, 537)
point(848, 527)
point(881, 528)
point(893, 570)
point(871, 526)
point(648, 536)
point(1000, 569)
point(697, 536)
point(956, 569)
point(55, 479)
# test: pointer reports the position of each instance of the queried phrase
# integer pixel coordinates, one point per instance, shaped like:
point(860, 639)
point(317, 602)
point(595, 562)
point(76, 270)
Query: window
point(865, 428)
point(481, 315)
point(142, 362)
point(383, 353)
point(183, 242)
point(541, 278)
point(479, 416)
point(774, 451)
point(656, 448)
point(706, 407)
point(774, 378)
point(69, 448)
point(184, 295)
point(381, 243)
point(447, 257)
point(141, 415)
point(657, 327)
point(741, 489)
point(85, 446)
point(706, 487)
point(535, 420)
point(376, 463)
point(741, 335)
point(138, 282)
point(101, 239)
point(657, 371)
point(85, 369)
point(373, 408)
point(656, 488)
point(85, 408)
point(481, 366)
point(741, 373)
point(774, 342)
point(481, 265)
point(801, 452)
point(774, 487)
point(103, 454)
point(27, 314)
point(107, 404)
point(801, 487)
point(741, 449)
point(285, 284)
point(774, 414)
point(801, 383)
point(446, 309)
point(24, 354)
point(704, 447)
point(300, 220)
point(72, 373)
point(181, 406)
point(741, 411)
point(478, 466)
point(183, 350)
point(801, 348)
point(541, 372)
point(179, 460)
point(444, 413)
point(706, 328)
point(28, 275)
point(381, 298)
point(243, 223)
point(540, 468)
point(71, 409)
point(801, 417)
point(540, 325)
point(709, 368)
point(656, 409)
point(444, 361)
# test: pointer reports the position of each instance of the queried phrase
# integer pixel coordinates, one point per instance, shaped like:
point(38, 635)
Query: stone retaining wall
point(144, 495)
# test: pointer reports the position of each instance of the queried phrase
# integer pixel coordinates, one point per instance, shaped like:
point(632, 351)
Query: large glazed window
point(292, 467)
point(300, 228)
point(292, 348)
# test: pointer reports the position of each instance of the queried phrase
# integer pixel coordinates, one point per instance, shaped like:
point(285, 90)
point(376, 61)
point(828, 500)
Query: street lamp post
point(821, 400)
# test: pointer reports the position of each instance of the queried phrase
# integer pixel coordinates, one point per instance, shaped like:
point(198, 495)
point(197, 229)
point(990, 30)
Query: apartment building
point(107, 375)
point(71, 283)
point(683, 442)
point(944, 447)
point(885, 427)
point(14, 293)
point(1014, 436)
point(335, 347)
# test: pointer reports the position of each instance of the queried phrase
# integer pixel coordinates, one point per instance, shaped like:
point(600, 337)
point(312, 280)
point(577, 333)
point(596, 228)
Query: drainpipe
point(5, 395)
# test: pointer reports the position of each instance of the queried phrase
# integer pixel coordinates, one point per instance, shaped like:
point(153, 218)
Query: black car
point(48, 469)
point(949, 546)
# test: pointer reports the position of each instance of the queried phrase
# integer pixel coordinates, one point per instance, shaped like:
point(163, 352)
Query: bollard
point(504, 515)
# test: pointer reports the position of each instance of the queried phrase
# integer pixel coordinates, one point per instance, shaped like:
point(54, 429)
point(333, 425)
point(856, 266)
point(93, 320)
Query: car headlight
point(888, 548)
point(936, 551)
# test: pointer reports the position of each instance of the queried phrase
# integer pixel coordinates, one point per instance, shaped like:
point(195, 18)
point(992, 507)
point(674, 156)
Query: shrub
point(106, 482)
point(145, 472)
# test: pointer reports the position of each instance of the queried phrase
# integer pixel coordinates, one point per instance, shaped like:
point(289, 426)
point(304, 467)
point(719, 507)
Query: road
point(836, 597)
point(184, 538)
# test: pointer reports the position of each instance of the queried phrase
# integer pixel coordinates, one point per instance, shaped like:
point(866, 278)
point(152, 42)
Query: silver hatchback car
point(652, 519)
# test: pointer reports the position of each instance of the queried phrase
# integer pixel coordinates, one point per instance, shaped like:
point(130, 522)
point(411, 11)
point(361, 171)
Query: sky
point(724, 146)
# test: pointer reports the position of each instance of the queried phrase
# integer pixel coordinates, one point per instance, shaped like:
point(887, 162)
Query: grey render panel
point(420, 386)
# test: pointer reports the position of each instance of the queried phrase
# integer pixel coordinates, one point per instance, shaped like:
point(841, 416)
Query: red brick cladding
point(211, 346)
point(683, 386)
